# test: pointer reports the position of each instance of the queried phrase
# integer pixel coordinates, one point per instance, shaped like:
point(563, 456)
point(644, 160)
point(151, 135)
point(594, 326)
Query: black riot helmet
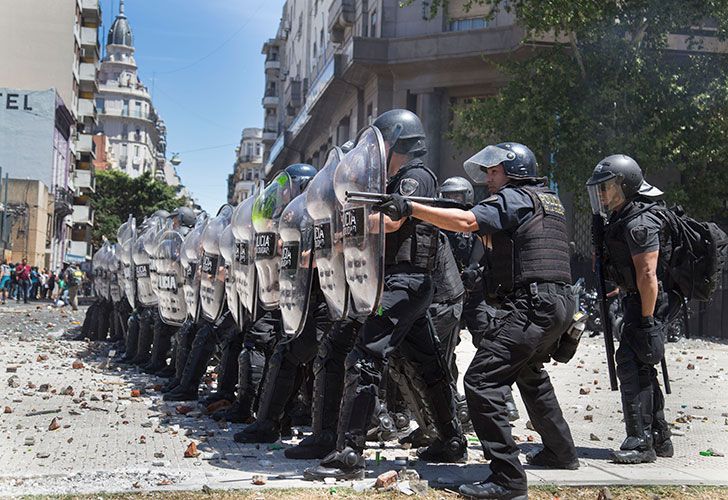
point(457, 188)
point(518, 161)
point(615, 180)
point(402, 130)
point(300, 174)
point(185, 216)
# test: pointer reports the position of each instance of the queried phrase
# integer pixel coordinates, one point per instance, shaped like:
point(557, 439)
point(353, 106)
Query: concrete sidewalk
point(107, 440)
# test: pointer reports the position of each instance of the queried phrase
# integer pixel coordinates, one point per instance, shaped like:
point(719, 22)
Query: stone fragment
point(589, 407)
point(14, 382)
point(68, 391)
point(584, 390)
point(41, 358)
point(589, 418)
point(191, 451)
point(54, 424)
point(386, 479)
point(259, 480)
point(604, 494)
point(77, 364)
point(184, 409)
point(7, 410)
point(135, 393)
point(691, 366)
point(594, 437)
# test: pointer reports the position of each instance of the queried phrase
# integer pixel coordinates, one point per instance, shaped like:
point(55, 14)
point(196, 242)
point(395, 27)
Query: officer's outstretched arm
point(450, 219)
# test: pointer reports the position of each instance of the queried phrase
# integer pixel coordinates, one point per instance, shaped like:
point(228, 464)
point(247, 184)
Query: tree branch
point(577, 54)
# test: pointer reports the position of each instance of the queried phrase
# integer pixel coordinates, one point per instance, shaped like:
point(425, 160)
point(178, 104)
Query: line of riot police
point(338, 277)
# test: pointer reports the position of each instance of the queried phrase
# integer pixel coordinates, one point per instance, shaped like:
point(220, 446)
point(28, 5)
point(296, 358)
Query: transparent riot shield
point(190, 258)
point(296, 269)
point(142, 261)
point(227, 255)
point(267, 210)
point(363, 169)
point(212, 269)
point(328, 242)
point(126, 235)
point(243, 266)
point(170, 278)
point(158, 227)
point(116, 288)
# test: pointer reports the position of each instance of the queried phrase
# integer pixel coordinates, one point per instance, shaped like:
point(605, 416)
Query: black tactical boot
point(511, 408)
point(315, 446)
point(345, 464)
point(383, 426)
point(144, 342)
point(418, 438)
point(661, 441)
point(132, 337)
point(454, 450)
point(196, 366)
point(637, 447)
point(488, 489)
point(546, 458)
point(262, 431)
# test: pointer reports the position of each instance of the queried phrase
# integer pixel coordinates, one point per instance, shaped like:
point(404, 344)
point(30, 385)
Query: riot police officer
point(637, 248)
point(524, 227)
point(401, 320)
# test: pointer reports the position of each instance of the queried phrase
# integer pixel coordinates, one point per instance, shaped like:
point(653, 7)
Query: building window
point(373, 23)
point(100, 105)
point(136, 151)
point(125, 132)
point(474, 23)
point(125, 108)
point(138, 135)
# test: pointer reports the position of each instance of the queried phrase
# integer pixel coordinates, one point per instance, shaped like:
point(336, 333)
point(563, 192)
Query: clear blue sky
point(208, 103)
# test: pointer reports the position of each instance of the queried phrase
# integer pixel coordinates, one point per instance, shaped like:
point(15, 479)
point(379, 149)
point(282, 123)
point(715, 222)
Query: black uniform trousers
point(638, 381)
point(401, 322)
point(525, 330)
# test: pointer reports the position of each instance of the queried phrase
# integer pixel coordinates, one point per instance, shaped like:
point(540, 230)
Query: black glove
point(394, 206)
point(471, 278)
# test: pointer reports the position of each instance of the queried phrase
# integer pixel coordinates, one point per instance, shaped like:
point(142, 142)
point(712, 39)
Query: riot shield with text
point(296, 269)
point(227, 255)
point(151, 243)
point(267, 210)
point(116, 286)
point(243, 266)
point(170, 278)
point(126, 235)
point(363, 169)
point(98, 264)
point(325, 210)
point(190, 258)
point(212, 269)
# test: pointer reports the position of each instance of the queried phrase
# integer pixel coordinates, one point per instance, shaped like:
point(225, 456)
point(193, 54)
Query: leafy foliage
point(118, 195)
point(640, 77)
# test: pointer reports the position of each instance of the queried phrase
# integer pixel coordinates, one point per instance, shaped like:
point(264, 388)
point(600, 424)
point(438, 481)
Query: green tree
point(118, 195)
point(614, 82)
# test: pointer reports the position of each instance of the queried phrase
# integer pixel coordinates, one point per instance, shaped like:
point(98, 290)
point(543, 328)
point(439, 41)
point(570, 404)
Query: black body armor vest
point(415, 243)
point(446, 277)
point(537, 251)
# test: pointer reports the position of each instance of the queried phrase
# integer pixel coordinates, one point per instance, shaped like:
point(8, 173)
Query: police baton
point(665, 376)
point(377, 198)
point(598, 241)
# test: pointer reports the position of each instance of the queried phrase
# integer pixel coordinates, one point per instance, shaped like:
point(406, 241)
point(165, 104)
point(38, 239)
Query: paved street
point(108, 439)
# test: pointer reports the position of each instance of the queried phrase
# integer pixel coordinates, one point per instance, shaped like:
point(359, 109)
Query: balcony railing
point(83, 214)
point(63, 202)
point(85, 180)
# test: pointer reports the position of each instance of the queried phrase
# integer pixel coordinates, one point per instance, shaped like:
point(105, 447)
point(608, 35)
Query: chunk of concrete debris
point(386, 479)
point(54, 424)
point(14, 382)
point(594, 437)
point(259, 480)
point(77, 364)
point(584, 390)
point(191, 451)
point(8, 410)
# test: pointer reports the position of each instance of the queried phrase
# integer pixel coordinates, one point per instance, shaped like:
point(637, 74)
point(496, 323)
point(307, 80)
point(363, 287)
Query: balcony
point(273, 65)
point(269, 136)
point(63, 202)
point(85, 181)
point(83, 214)
point(86, 110)
point(78, 251)
point(342, 14)
point(89, 38)
point(85, 144)
point(87, 72)
point(90, 10)
point(271, 101)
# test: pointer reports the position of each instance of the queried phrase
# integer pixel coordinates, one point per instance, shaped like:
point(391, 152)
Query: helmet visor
point(477, 165)
point(458, 196)
point(606, 197)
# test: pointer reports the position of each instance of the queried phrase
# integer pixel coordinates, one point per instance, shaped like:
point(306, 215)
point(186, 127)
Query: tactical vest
point(446, 277)
point(415, 243)
point(618, 257)
point(536, 252)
